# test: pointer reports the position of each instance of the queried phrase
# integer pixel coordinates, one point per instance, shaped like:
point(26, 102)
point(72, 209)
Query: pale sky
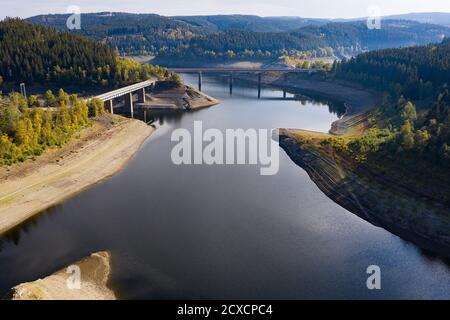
point(302, 8)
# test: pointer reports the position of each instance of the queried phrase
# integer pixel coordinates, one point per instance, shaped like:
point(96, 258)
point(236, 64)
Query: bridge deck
point(125, 90)
point(237, 70)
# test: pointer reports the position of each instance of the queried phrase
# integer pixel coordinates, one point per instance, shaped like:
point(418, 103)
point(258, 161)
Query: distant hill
point(414, 72)
point(240, 36)
point(393, 34)
point(441, 18)
point(412, 127)
point(217, 23)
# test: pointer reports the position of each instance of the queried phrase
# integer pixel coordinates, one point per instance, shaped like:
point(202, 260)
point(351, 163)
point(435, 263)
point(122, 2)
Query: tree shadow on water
point(15, 234)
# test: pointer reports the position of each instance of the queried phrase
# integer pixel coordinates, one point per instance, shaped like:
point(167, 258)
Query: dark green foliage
point(129, 33)
point(415, 72)
point(30, 53)
point(36, 54)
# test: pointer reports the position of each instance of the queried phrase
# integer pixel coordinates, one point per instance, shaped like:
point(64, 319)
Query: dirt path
point(98, 153)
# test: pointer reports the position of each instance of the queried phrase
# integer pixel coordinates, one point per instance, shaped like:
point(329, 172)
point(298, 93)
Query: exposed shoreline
point(94, 272)
point(370, 195)
point(99, 152)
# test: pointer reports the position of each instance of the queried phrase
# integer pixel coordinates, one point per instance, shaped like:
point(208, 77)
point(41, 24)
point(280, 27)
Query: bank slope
point(374, 195)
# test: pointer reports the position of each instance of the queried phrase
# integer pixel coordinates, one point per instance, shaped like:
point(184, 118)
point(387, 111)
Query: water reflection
point(222, 232)
point(14, 235)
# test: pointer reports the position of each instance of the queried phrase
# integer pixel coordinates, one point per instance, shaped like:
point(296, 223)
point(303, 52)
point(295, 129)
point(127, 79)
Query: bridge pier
point(200, 76)
point(141, 95)
point(231, 83)
point(109, 105)
point(129, 103)
point(259, 85)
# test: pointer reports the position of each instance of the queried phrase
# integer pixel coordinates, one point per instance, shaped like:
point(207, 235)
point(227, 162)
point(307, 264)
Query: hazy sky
point(303, 8)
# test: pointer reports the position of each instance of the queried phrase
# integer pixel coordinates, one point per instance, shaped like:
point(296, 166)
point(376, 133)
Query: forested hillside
point(217, 23)
point(228, 37)
point(415, 72)
point(30, 53)
point(413, 126)
point(35, 54)
point(129, 33)
point(247, 44)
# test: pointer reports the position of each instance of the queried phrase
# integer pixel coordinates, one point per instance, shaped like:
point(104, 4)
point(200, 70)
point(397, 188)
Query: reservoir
point(223, 231)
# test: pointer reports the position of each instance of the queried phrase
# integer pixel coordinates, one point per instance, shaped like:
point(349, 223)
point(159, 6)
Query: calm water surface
point(223, 232)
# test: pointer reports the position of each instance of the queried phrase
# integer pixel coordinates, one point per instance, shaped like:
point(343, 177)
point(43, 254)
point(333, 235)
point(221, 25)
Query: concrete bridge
point(139, 88)
point(127, 93)
point(232, 71)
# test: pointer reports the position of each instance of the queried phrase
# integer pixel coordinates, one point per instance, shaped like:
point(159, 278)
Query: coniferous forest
point(241, 37)
point(31, 54)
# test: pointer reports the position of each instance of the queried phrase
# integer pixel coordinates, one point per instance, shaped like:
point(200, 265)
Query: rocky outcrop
point(62, 285)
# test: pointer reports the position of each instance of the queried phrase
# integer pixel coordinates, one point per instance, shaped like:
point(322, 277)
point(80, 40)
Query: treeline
point(32, 54)
point(27, 130)
point(128, 33)
point(215, 23)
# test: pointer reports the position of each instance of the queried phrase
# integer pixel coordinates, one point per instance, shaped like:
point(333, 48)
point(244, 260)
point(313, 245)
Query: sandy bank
point(94, 276)
point(172, 96)
point(98, 153)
